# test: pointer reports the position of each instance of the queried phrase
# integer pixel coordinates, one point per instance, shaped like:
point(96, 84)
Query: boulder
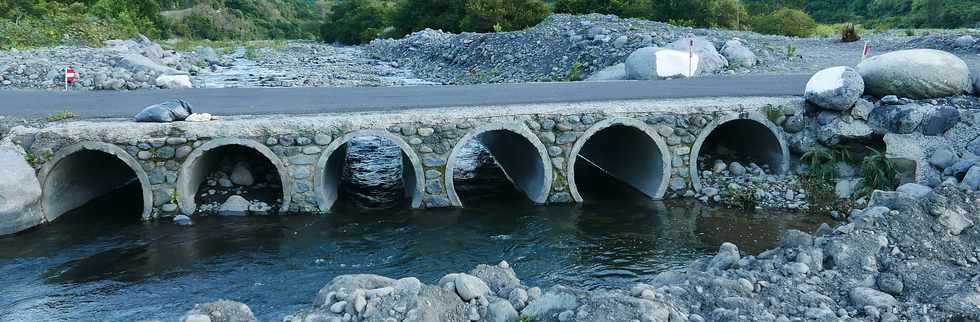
point(658, 63)
point(863, 296)
point(501, 311)
point(220, 311)
point(556, 299)
point(914, 189)
point(737, 54)
point(835, 88)
point(940, 120)
point(916, 73)
point(20, 192)
point(711, 61)
point(138, 63)
point(964, 41)
point(170, 111)
point(174, 81)
point(614, 72)
point(899, 119)
point(241, 175)
point(943, 158)
point(234, 206)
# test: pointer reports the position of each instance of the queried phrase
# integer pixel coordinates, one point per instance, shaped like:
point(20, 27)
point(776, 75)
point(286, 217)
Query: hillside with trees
point(32, 23)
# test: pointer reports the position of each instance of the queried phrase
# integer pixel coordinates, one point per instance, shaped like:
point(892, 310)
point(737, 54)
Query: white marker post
point(690, 58)
point(69, 76)
point(867, 51)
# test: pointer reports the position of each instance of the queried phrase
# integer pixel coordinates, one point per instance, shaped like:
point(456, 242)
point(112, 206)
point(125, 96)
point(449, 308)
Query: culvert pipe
point(330, 169)
point(627, 150)
point(202, 161)
point(519, 153)
point(80, 173)
point(749, 134)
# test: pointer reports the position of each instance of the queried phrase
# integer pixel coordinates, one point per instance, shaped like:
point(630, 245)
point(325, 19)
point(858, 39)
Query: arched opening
point(368, 169)
point(618, 158)
point(218, 171)
point(95, 173)
point(749, 140)
point(498, 152)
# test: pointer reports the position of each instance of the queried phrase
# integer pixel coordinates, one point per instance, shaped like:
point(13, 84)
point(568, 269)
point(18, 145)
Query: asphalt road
point(253, 101)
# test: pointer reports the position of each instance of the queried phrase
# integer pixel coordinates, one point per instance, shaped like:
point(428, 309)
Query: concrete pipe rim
point(609, 123)
point(186, 194)
point(755, 116)
point(107, 148)
point(518, 128)
point(320, 170)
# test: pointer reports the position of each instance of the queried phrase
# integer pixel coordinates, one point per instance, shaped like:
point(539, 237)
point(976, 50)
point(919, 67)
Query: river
point(99, 263)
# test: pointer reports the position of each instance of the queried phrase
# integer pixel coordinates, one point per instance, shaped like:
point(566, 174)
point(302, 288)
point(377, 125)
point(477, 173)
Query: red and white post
point(70, 76)
point(867, 51)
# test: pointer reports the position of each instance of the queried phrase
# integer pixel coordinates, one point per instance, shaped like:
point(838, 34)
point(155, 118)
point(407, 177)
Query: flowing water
point(101, 263)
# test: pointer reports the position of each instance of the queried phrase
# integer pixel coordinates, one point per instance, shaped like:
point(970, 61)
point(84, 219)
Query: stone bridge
point(651, 145)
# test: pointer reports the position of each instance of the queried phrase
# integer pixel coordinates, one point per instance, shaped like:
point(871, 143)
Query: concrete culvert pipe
point(329, 176)
point(519, 153)
point(746, 138)
point(83, 172)
point(214, 155)
point(627, 150)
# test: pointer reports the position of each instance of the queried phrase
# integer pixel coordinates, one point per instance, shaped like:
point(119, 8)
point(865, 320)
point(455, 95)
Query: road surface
point(255, 101)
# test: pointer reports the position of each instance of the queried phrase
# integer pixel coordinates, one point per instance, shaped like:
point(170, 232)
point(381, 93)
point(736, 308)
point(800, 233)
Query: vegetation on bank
point(32, 23)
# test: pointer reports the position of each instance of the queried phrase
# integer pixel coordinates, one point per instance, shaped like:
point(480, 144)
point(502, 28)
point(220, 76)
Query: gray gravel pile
point(549, 50)
point(909, 256)
point(121, 64)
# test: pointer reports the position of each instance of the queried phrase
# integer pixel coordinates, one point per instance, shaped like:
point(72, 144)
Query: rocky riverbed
point(909, 256)
point(562, 47)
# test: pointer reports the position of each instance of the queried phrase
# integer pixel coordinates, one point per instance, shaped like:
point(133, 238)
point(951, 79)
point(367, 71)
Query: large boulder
point(20, 192)
point(141, 64)
point(234, 206)
point(657, 63)
point(711, 60)
point(220, 311)
point(916, 73)
point(174, 81)
point(738, 54)
point(835, 88)
point(614, 72)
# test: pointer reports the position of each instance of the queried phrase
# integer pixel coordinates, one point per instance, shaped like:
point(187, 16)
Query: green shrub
point(502, 15)
point(414, 15)
point(622, 8)
point(354, 22)
point(786, 22)
point(576, 73)
point(743, 198)
point(878, 172)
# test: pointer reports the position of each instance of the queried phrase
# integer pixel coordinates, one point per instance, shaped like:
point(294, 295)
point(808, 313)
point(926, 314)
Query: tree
point(787, 22)
point(354, 22)
point(414, 15)
point(502, 15)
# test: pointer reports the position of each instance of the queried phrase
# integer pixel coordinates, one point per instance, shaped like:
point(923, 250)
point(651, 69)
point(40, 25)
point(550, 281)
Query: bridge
point(649, 142)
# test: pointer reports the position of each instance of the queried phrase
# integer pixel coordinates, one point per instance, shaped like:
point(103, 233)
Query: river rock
point(220, 311)
point(916, 73)
point(727, 256)
point(914, 189)
point(964, 41)
point(499, 278)
point(241, 175)
point(943, 158)
point(553, 301)
point(234, 206)
point(139, 63)
point(835, 88)
point(658, 63)
point(182, 220)
point(864, 296)
point(710, 60)
point(470, 287)
point(501, 311)
point(972, 178)
point(174, 81)
point(737, 54)
point(20, 192)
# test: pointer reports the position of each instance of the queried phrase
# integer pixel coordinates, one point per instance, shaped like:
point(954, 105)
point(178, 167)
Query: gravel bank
point(909, 256)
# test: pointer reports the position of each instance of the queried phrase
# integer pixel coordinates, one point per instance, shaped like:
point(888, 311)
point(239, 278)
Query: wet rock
point(220, 311)
point(917, 73)
point(235, 205)
point(182, 220)
point(835, 88)
point(727, 256)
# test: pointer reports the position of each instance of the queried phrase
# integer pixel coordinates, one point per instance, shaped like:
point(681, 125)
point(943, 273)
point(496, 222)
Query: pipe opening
point(369, 172)
point(235, 180)
point(751, 144)
point(93, 184)
point(499, 165)
point(620, 161)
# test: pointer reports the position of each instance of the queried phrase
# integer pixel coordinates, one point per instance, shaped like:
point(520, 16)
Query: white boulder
point(916, 74)
point(658, 63)
point(174, 81)
point(835, 88)
point(711, 60)
point(234, 206)
point(20, 192)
